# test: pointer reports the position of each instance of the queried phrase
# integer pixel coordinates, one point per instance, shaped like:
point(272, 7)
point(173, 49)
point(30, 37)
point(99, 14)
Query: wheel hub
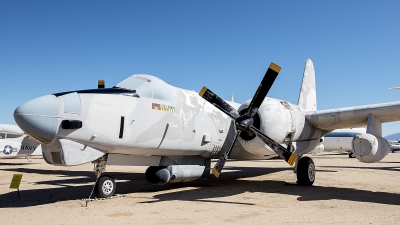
point(108, 187)
point(311, 172)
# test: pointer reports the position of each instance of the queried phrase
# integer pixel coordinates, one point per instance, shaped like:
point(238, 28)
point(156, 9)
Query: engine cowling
point(281, 121)
point(369, 148)
point(173, 174)
point(256, 146)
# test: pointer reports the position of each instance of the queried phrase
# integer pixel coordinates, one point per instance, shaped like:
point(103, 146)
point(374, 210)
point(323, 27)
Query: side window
point(72, 103)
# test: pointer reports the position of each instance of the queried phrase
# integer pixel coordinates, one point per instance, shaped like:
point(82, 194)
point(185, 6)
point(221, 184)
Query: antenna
point(232, 100)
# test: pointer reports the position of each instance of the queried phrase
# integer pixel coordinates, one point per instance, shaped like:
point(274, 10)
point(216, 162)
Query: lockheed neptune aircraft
point(143, 121)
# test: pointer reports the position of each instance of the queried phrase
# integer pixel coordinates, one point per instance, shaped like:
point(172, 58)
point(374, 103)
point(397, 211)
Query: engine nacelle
point(369, 148)
point(282, 121)
point(175, 173)
point(256, 146)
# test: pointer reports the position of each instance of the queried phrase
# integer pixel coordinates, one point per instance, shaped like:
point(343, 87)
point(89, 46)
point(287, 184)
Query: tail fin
point(308, 93)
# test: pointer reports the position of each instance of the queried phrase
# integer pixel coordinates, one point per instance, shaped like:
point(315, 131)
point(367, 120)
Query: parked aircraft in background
point(10, 131)
point(394, 146)
point(341, 140)
point(23, 146)
point(143, 121)
point(14, 143)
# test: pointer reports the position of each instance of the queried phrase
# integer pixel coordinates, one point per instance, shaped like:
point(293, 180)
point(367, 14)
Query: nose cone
point(38, 118)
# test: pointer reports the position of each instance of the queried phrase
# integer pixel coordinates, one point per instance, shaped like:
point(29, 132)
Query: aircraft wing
point(356, 116)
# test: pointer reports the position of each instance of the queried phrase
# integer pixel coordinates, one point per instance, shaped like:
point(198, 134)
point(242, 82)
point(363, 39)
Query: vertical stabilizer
point(308, 93)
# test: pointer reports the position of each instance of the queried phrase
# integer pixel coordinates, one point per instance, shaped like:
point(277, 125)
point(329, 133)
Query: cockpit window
point(147, 86)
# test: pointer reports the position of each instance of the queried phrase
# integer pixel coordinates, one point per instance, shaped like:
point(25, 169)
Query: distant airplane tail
point(308, 93)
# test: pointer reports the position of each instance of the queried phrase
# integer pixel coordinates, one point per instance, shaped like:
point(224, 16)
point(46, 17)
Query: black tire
point(351, 155)
point(305, 172)
point(105, 187)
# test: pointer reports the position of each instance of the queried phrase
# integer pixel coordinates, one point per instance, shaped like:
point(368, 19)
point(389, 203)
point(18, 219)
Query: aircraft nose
point(38, 118)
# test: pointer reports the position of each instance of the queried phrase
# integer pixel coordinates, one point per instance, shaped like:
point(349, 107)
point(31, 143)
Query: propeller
point(244, 122)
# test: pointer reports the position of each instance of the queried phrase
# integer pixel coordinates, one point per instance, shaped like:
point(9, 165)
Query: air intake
point(71, 124)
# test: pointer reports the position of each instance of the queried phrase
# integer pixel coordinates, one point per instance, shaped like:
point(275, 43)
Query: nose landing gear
point(105, 185)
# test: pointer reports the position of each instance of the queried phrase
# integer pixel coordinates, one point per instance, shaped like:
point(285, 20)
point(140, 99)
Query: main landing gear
point(305, 170)
point(105, 185)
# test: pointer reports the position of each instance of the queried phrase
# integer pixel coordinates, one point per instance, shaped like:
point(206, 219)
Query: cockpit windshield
point(147, 86)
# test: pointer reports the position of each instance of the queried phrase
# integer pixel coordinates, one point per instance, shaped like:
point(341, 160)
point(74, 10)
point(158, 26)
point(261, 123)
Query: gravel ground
point(260, 192)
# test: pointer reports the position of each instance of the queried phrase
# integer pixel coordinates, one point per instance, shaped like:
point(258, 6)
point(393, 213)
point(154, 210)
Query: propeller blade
point(283, 152)
point(218, 102)
point(263, 89)
point(224, 157)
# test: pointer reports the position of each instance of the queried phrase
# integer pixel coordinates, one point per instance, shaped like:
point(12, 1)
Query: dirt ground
point(260, 192)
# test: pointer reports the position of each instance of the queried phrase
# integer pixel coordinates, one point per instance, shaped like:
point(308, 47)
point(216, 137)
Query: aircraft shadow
point(78, 185)
point(230, 184)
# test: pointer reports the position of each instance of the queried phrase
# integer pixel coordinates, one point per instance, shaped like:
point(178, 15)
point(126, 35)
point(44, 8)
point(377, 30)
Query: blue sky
point(55, 46)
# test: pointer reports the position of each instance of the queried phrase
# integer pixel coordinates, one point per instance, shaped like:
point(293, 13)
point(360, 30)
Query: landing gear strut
point(305, 169)
point(105, 185)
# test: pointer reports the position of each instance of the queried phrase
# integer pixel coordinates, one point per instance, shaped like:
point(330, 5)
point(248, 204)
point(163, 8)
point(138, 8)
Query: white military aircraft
point(340, 140)
point(395, 145)
point(10, 131)
point(23, 146)
point(14, 143)
point(145, 121)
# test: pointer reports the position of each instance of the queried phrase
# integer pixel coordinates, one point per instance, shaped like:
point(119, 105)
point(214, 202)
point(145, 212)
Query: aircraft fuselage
point(153, 120)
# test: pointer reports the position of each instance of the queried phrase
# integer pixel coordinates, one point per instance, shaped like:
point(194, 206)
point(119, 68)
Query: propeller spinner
point(244, 122)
